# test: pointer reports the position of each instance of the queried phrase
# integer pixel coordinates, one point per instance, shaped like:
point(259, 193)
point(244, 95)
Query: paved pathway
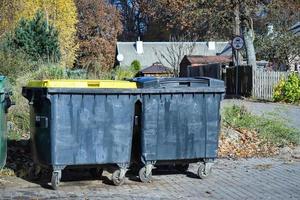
point(289, 112)
point(242, 179)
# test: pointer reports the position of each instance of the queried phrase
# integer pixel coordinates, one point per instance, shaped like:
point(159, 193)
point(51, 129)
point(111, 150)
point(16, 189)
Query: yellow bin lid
point(82, 84)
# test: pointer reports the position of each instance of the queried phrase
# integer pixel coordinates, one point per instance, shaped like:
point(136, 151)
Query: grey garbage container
point(82, 123)
point(180, 123)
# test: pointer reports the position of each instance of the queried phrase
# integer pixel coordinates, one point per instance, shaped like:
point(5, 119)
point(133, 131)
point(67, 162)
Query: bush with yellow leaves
point(288, 90)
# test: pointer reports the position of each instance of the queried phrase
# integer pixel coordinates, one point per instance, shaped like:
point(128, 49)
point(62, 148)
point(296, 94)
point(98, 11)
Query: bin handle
point(93, 83)
point(187, 82)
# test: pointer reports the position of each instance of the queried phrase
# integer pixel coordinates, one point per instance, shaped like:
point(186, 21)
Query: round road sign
point(237, 42)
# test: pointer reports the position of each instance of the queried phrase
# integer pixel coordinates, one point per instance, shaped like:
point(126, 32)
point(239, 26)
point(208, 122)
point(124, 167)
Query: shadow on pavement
point(19, 159)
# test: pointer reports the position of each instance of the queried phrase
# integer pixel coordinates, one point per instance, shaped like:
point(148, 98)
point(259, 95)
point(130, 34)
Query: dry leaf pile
point(242, 143)
point(19, 160)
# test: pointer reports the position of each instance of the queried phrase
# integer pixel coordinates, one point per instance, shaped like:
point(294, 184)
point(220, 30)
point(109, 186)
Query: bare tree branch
point(175, 51)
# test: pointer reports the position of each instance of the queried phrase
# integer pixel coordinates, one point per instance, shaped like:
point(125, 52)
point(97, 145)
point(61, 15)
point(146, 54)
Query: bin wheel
point(55, 180)
point(203, 172)
point(117, 180)
point(96, 172)
point(144, 177)
point(182, 167)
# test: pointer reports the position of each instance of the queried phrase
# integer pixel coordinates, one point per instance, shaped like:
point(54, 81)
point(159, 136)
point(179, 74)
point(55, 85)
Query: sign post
point(237, 44)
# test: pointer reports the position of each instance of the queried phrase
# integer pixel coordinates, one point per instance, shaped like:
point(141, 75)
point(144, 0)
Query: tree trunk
point(248, 33)
point(237, 56)
point(250, 50)
point(237, 22)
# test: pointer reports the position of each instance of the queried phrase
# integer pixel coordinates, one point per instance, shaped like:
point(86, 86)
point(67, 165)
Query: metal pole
point(237, 71)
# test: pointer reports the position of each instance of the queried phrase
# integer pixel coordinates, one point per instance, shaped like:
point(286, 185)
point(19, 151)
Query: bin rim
point(76, 83)
point(166, 82)
point(127, 91)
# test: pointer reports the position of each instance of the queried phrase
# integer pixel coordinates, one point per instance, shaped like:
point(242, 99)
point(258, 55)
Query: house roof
point(156, 68)
point(199, 60)
point(155, 51)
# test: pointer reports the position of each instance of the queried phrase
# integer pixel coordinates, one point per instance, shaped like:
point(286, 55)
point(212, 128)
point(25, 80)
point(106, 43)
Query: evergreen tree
point(61, 14)
point(37, 38)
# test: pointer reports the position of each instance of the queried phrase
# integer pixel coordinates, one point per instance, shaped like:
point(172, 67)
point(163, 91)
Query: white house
point(151, 52)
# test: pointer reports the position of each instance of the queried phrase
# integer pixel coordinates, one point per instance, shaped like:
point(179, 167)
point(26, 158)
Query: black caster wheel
point(116, 179)
point(203, 171)
point(144, 177)
point(55, 180)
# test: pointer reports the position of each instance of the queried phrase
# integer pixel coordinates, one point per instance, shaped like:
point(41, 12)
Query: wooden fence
point(264, 82)
point(244, 77)
point(258, 84)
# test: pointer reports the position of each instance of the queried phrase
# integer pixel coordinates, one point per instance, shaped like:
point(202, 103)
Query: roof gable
point(200, 60)
point(156, 68)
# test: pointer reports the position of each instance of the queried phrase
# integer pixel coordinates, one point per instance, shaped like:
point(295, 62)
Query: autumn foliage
point(61, 13)
point(88, 29)
point(97, 31)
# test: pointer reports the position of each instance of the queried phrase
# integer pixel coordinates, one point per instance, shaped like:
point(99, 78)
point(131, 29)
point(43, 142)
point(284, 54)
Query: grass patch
point(271, 129)
point(15, 135)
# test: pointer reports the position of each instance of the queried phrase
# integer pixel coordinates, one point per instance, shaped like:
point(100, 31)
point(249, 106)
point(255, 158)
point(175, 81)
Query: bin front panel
point(213, 124)
point(3, 134)
point(91, 129)
point(40, 125)
point(180, 126)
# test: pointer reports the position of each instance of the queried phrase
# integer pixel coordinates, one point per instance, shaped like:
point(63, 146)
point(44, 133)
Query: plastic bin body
point(181, 119)
point(81, 126)
point(4, 105)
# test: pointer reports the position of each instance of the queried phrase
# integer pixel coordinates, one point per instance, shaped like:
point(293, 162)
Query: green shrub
point(238, 117)
point(121, 74)
point(269, 128)
point(32, 44)
point(117, 73)
point(76, 73)
point(14, 64)
point(37, 38)
point(106, 75)
point(135, 66)
point(18, 114)
point(288, 90)
point(50, 71)
point(55, 71)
